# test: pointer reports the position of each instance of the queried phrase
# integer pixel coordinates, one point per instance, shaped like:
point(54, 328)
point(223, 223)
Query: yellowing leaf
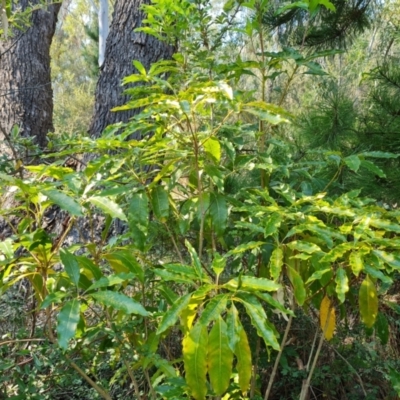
point(327, 318)
point(195, 360)
point(368, 302)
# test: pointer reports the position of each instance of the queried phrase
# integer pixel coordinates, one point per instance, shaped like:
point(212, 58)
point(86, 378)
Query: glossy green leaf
point(108, 206)
point(391, 259)
point(67, 322)
point(274, 303)
point(385, 224)
point(220, 357)
point(377, 274)
point(124, 261)
point(272, 223)
point(373, 168)
point(353, 162)
point(138, 217)
point(317, 275)
point(232, 323)
point(243, 355)
point(244, 247)
point(119, 301)
point(216, 175)
point(160, 203)
point(342, 284)
point(111, 280)
point(218, 264)
point(212, 148)
point(6, 248)
point(337, 252)
point(252, 283)
point(304, 247)
point(71, 265)
point(298, 286)
point(195, 346)
point(171, 316)
point(195, 259)
point(368, 302)
point(213, 309)
point(259, 319)
point(276, 263)
point(90, 269)
point(218, 212)
point(64, 201)
point(51, 298)
point(382, 328)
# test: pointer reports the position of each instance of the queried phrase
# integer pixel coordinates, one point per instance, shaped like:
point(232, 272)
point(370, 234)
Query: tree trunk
point(123, 45)
point(26, 97)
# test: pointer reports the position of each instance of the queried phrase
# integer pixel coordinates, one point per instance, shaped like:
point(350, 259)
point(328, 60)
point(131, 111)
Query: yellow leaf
point(327, 318)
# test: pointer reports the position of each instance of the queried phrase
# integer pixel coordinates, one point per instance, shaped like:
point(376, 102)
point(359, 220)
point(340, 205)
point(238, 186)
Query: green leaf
point(108, 206)
point(220, 357)
point(71, 265)
point(342, 284)
point(337, 252)
point(138, 217)
point(6, 248)
point(232, 323)
point(244, 247)
point(216, 176)
point(51, 298)
point(64, 201)
point(379, 154)
point(67, 322)
point(368, 302)
point(373, 168)
point(276, 263)
point(212, 148)
point(120, 301)
point(377, 274)
point(356, 262)
point(353, 162)
point(88, 266)
point(111, 280)
point(160, 203)
point(171, 316)
point(304, 247)
point(394, 377)
point(382, 328)
point(390, 259)
point(219, 263)
point(259, 319)
point(251, 283)
point(195, 346)
point(213, 309)
point(274, 303)
point(139, 66)
point(218, 212)
point(124, 261)
point(272, 223)
point(384, 224)
point(195, 259)
point(298, 286)
point(317, 275)
point(243, 356)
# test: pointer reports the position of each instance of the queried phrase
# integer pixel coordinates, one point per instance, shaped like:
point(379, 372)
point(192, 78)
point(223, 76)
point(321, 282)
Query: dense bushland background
point(236, 237)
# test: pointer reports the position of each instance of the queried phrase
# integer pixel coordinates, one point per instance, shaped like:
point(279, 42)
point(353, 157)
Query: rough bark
point(26, 97)
point(123, 45)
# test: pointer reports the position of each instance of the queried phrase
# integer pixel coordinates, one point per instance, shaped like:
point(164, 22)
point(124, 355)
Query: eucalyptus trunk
point(26, 96)
point(123, 45)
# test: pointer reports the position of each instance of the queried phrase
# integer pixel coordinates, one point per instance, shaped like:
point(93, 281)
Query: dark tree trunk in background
point(123, 45)
point(26, 96)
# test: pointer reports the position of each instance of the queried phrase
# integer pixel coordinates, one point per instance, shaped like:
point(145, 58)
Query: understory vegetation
point(238, 238)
